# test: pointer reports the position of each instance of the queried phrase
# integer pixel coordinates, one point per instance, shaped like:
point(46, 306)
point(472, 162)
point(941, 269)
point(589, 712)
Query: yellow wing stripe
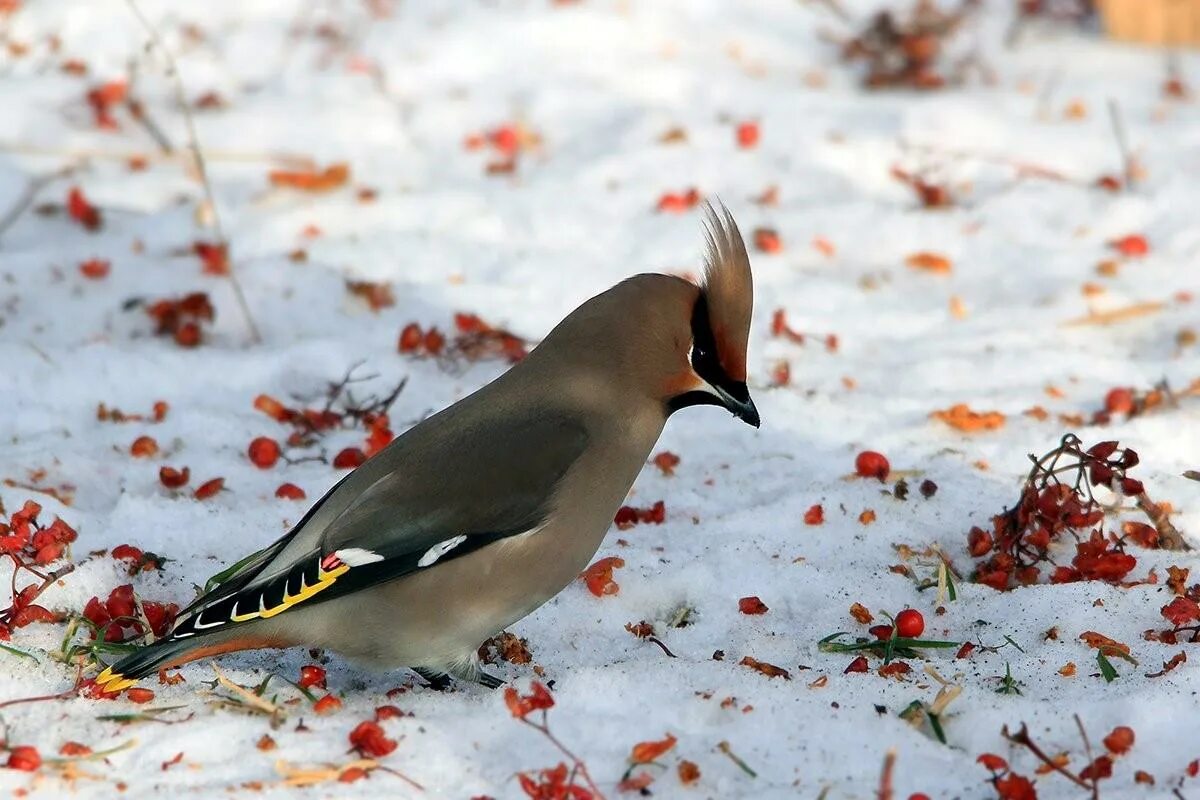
point(110, 681)
point(324, 581)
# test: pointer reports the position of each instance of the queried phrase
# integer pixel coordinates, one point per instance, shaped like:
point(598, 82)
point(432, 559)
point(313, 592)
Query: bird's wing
point(435, 494)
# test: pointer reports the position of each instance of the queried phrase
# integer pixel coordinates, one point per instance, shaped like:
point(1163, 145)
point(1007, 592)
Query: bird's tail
point(137, 665)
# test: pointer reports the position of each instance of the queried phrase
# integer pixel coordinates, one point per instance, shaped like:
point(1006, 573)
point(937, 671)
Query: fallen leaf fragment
point(752, 606)
point(961, 417)
point(770, 670)
point(645, 752)
point(929, 262)
point(311, 180)
point(1102, 642)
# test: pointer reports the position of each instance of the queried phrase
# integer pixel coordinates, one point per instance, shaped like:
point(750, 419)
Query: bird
point(481, 513)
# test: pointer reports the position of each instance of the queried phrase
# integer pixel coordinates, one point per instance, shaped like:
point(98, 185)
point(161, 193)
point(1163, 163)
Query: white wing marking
point(356, 556)
point(438, 550)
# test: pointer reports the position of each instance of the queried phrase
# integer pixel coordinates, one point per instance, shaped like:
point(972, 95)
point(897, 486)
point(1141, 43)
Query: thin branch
point(885, 777)
point(1128, 162)
point(1116, 315)
point(579, 765)
point(30, 194)
point(201, 168)
point(1087, 749)
point(659, 642)
point(287, 160)
point(1022, 738)
point(1169, 536)
point(137, 110)
point(48, 580)
point(40, 698)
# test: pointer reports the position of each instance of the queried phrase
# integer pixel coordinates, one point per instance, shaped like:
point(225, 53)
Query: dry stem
point(201, 168)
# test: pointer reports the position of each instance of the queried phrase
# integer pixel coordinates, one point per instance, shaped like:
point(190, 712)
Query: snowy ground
point(394, 94)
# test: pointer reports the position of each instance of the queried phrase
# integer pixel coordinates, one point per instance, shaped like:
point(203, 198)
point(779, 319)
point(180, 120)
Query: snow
point(601, 81)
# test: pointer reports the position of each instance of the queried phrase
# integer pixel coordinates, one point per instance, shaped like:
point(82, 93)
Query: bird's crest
point(728, 288)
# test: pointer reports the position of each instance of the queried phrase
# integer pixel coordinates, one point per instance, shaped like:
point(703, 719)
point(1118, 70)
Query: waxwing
point(481, 513)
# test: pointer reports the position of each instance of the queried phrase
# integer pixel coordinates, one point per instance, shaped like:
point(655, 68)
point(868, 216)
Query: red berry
point(127, 551)
point(143, 447)
point(870, 464)
point(94, 268)
point(188, 335)
point(349, 458)
point(120, 601)
point(369, 740)
point(24, 758)
point(747, 134)
point(434, 341)
point(138, 695)
point(312, 675)
point(1133, 245)
point(767, 240)
point(173, 478)
point(410, 338)
point(505, 139)
point(909, 623)
point(327, 705)
point(264, 452)
point(1118, 401)
point(918, 796)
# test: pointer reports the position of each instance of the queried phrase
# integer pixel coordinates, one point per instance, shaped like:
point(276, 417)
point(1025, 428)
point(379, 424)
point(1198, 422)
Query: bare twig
point(885, 777)
point(48, 580)
point(1116, 315)
point(63, 695)
point(578, 764)
point(201, 168)
point(287, 160)
point(1169, 536)
point(659, 642)
point(1046, 95)
point(40, 698)
point(1022, 738)
point(137, 110)
point(30, 194)
point(1024, 169)
point(834, 7)
point(1087, 749)
point(742, 765)
point(247, 697)
point(1128, 162)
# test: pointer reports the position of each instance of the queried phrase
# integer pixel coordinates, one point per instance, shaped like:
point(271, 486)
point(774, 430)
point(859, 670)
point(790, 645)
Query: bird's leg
point(471, 670)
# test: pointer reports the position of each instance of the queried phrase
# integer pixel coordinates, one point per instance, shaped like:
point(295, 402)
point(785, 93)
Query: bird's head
point(711, 356)
point(663, 340)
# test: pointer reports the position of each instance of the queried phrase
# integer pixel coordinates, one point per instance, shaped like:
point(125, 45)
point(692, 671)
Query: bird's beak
point(737, 399)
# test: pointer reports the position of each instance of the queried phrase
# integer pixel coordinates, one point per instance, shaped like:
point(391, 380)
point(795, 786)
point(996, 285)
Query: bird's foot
point(488, 679)
point(438, 681)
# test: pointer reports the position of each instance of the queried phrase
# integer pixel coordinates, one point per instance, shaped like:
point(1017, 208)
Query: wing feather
point(437, 493)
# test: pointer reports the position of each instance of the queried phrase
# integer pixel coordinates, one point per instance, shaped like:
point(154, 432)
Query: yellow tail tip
point(113, 682)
